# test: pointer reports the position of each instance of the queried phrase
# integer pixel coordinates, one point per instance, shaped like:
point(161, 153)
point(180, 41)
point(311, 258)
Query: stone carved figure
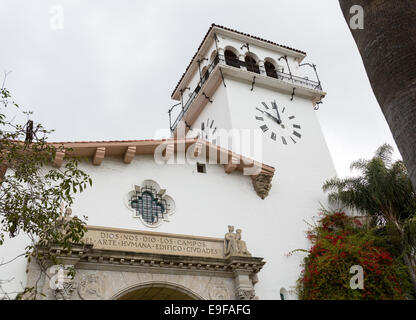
point(241, 245)
point(66, 217)
point(230, 242)
point(233, 244)
point(68, 213)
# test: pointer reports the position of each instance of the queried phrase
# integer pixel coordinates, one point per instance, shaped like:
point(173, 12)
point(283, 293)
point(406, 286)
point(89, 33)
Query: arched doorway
point(157, 291)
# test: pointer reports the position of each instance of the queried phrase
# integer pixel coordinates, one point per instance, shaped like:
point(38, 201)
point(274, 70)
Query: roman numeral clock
point(278, 123)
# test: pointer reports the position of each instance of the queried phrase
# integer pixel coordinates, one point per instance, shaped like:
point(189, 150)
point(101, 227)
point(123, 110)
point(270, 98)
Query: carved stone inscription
point(146, 242)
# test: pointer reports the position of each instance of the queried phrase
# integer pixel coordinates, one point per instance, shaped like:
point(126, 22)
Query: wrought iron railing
point(193, 95)
point(305, 82)
point(234, 62)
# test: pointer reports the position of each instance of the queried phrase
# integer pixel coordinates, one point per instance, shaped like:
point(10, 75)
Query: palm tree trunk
point(387, 45)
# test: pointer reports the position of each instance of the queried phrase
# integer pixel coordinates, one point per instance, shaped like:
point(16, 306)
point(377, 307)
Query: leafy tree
point(340, 242)
point(31, 193)
point(383, 192)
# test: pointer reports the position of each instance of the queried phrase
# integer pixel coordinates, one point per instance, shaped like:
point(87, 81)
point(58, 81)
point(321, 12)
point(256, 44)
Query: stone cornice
point(86, 257)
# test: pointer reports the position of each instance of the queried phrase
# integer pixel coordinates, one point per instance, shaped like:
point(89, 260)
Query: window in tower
point(270, 69)
point(231, 59)
point(251, 64)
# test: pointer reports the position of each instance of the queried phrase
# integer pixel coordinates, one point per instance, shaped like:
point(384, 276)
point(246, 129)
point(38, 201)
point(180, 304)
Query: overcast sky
point(109, 72)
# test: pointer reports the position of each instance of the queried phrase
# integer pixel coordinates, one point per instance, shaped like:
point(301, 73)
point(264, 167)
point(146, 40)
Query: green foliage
point(32, 193)
point(384, 192)
point(340, 242)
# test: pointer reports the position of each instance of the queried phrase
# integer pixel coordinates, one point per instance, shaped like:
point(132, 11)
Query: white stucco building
point(186, 190)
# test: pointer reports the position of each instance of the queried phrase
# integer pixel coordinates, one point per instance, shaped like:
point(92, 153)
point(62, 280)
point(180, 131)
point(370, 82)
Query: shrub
point(340, 242)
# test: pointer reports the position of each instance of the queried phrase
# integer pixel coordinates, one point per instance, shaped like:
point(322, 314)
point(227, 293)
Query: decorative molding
point(218, 291)
point(98, 156)
point(246, 294)
point(65, 286)
point(91, 287)
point(129, 261)
point(129, 155)
point(99, 265)
point(262, 184)
point(65, 293)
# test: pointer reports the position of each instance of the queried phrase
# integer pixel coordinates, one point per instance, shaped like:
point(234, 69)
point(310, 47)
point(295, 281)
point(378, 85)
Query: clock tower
point(241, 85)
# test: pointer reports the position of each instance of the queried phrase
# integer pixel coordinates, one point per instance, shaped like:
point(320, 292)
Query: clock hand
point(270, 116)
point(277, 110)
point(274, 118)
point(278, 115)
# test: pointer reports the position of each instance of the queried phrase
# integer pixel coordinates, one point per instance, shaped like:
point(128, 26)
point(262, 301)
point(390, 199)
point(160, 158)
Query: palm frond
point(385, 153)
point(360, 165)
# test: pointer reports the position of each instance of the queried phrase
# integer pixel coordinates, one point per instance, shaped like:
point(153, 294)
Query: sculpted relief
point(218, 291)
point(92, 287)
point(233, 244)
point(226, 266)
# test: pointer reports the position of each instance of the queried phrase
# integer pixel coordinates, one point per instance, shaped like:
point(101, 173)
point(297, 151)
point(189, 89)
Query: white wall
point(16, 270)
point(205, 205)
point(296, 194)
point(218, 111)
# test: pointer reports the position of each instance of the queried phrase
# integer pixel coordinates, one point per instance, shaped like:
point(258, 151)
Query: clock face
point(278, 123)
point(207, 130)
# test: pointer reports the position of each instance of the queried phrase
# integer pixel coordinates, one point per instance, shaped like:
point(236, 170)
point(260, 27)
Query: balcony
point(250, 67)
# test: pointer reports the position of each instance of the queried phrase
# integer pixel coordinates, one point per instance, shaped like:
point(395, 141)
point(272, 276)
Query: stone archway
point(157, 291)
point(129, 265)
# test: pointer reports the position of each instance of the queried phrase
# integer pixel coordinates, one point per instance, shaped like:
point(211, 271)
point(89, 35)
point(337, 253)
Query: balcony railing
point(236, 63)
point(193, 95)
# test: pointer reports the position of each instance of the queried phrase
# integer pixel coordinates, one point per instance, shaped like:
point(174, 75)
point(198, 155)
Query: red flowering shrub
point(338, 243)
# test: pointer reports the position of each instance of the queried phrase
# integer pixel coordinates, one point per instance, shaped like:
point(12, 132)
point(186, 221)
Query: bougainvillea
point(338, 243)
